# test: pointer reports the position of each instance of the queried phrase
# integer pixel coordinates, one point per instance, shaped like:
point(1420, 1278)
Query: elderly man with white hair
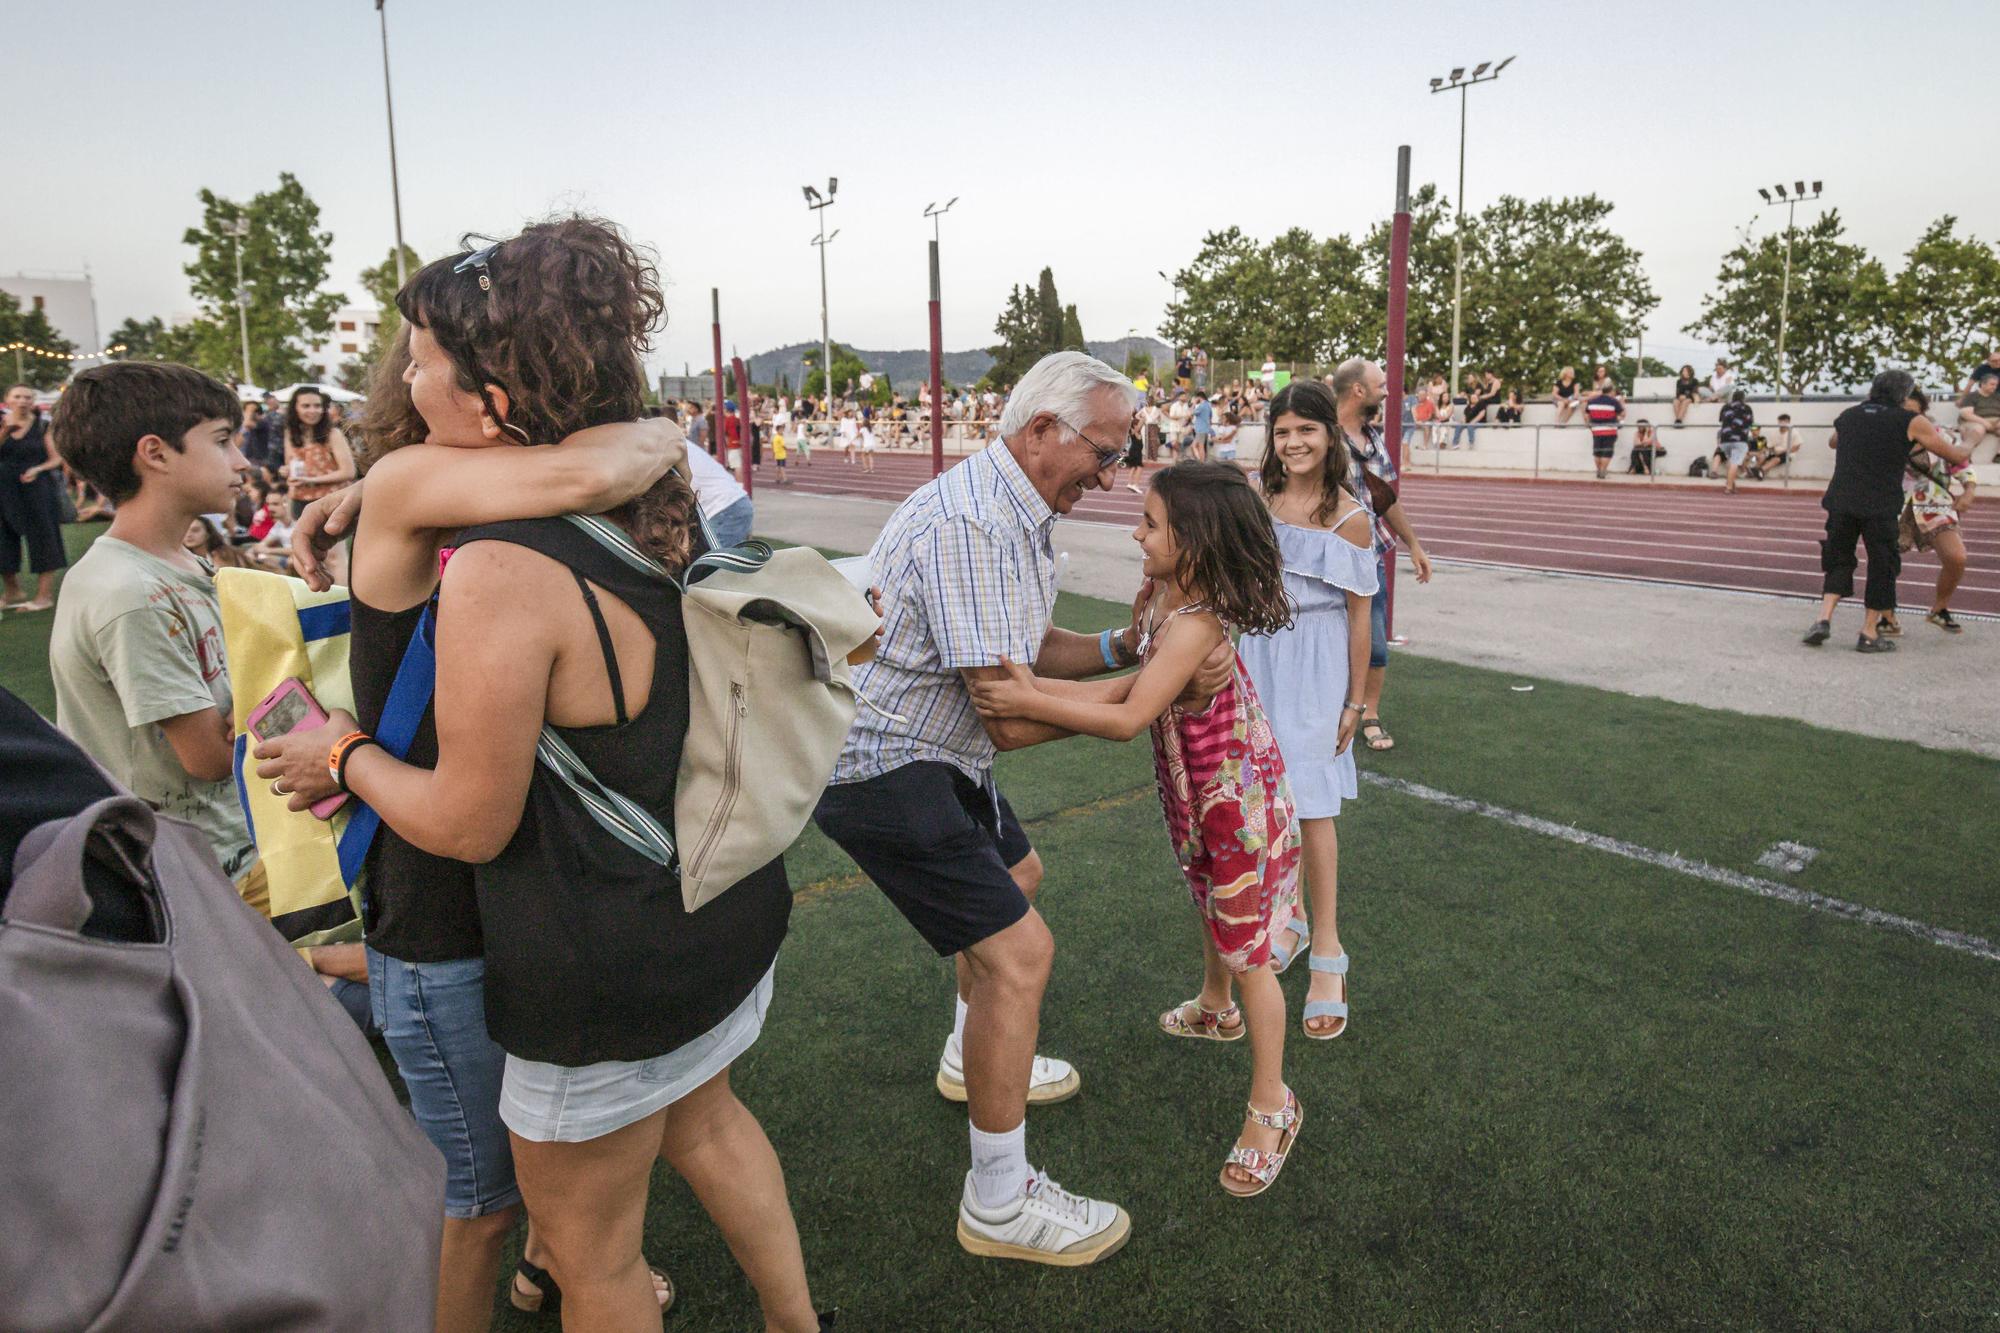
point(967, 572)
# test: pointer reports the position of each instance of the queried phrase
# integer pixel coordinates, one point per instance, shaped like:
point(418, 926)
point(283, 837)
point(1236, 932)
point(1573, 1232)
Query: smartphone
point(285, 710)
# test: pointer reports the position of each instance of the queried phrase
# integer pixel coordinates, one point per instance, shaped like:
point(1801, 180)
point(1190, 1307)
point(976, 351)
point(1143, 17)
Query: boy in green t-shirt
point(141, 682)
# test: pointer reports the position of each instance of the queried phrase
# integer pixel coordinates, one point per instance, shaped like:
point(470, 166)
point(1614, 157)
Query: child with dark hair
point(1215, 566)
point(140, 677)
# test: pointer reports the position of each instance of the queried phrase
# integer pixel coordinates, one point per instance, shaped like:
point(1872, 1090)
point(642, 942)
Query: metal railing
point(1682, 445)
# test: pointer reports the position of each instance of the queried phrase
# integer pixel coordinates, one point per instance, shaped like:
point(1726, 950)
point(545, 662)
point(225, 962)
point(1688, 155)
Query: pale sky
point(1103, 140)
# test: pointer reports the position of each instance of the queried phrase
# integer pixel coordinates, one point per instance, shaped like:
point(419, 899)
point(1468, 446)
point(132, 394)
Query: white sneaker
point(1049, 1081)
point(1046, 1224)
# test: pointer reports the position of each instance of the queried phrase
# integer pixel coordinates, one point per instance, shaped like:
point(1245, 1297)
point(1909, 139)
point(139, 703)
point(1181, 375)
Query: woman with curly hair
point(512, 954)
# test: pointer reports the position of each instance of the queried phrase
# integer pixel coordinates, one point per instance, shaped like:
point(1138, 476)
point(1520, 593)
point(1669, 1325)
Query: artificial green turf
point(1577, 1090)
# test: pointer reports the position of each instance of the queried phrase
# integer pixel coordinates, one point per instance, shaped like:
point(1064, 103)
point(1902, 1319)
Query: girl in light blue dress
point(1310, 675)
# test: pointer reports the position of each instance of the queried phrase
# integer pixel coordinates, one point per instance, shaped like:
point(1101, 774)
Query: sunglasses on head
point(481, 260)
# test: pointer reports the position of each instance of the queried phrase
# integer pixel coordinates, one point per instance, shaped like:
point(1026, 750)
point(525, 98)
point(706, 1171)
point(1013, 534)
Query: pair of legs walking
point(589, 1202)
point(1877, 534)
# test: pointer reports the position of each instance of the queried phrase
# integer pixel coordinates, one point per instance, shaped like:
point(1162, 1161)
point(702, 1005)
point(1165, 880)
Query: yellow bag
point(274, 627)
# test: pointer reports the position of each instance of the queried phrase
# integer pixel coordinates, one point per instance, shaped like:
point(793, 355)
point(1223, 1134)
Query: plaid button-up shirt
point(1379, 460)
point(967, 573)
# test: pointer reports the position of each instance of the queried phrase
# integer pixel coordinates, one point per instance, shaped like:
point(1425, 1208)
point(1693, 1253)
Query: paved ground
point(1765, 539)
point(1726, 649)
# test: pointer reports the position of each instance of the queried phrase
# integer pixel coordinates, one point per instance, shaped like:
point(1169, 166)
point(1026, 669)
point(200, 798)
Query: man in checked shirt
point(967, 573)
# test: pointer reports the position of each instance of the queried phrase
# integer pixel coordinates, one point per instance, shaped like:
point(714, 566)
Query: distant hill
point(907, 369)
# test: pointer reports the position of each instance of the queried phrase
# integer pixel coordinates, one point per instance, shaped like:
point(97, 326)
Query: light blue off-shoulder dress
point(1301, 672)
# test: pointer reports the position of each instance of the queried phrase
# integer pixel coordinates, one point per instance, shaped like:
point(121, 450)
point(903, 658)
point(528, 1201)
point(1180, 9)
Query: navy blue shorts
point(938, 844)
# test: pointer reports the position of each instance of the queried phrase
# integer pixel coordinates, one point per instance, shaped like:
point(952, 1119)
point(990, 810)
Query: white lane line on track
point(1763, 888)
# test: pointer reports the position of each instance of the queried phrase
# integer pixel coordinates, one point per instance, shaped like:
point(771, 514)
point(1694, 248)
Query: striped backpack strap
point(744, 559)
point(621, 817)
point(617, 815)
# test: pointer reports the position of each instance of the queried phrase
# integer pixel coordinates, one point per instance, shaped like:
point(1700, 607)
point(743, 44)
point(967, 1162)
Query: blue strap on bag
point(409, 695)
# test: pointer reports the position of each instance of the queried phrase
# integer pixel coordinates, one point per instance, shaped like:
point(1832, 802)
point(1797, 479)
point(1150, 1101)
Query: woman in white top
point(850, 436)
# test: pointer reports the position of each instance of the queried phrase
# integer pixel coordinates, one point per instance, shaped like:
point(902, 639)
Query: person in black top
point(1567, 396)
point(425, 952)
point(1732, 436)
point(1509, 412)
point(620, 1013)
point(1687, 389)
point(1872, 441)
point(30, 502)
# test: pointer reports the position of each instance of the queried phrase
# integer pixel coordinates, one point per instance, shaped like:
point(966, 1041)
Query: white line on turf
point(1763, 888)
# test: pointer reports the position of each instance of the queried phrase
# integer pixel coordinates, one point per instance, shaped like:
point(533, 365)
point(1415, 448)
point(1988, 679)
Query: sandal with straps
point(543, 1296)
point(1327, 1008)
point(1265, 1166)
point(1207, 1025)
point(1376, 736)
point(1281, 957)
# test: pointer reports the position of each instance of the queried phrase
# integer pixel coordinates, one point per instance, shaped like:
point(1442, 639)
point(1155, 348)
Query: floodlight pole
point(239, 229)
point(395, 187)
point(819, 204)
point(1462, 87)
point(1791, 202)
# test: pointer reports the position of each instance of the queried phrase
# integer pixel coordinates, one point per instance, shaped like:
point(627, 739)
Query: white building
point(68, 299)
point(353, 330)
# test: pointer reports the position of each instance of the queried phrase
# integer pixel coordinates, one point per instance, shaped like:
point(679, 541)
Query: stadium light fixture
point(1791, 204)
point(811, 194)
point(1484, 72)
point(832, 186)
point(819, 204)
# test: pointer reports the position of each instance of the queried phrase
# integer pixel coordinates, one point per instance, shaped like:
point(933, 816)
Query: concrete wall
point(1539, 446)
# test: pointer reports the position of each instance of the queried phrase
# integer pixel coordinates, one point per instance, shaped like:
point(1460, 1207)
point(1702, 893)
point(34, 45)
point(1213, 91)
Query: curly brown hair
point(1228, 549)
point(389, 418)
point(557, 317)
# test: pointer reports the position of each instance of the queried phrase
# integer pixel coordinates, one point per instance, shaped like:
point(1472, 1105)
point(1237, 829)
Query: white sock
point(958, 1021)
point(999, 1165)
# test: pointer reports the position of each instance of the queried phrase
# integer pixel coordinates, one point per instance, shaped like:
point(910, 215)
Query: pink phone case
point(295, 708)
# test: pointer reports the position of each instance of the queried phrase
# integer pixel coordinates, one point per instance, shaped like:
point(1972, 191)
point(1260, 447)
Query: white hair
point(1063, 385)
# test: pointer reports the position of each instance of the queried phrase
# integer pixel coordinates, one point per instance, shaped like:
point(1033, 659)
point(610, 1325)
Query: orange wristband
point(336, 758)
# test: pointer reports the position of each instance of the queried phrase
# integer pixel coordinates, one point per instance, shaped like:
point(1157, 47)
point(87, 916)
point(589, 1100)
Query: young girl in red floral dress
point(1212, 559)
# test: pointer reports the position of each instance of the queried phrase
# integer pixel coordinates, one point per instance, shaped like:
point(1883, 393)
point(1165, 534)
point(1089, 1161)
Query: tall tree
point(1033, 323)
point(847, 371)
point(1072, 331)
point(285, 260)
point(1550, 285)
point(1835, 329)
point(1943, 309)
point(139, 337)
point(27, 364)
point(1048, 312)
point(1427, 322)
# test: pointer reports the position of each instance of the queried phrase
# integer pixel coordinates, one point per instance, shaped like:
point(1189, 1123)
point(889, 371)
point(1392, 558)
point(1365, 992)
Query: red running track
point(1764, 541)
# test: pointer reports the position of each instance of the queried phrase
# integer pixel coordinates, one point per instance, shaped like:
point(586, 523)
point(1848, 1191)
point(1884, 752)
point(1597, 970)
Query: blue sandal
point(1327, 1008)
point(1281, 957)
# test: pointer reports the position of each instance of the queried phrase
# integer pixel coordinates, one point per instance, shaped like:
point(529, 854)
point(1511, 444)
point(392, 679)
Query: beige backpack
point(770, 699)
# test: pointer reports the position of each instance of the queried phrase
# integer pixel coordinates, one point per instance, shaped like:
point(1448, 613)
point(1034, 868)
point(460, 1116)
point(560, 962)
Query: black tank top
point(418, 907)
point(589, 953)
point(1874, 443)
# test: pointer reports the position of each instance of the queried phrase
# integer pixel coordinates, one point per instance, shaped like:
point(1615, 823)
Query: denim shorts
point(1378, 615)
point(1733, 450)
point(732, 525)
point(433, 1017)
